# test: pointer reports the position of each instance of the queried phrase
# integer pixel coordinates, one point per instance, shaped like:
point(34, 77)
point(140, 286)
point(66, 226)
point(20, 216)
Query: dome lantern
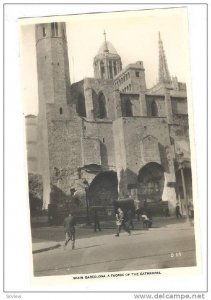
point(107, 62)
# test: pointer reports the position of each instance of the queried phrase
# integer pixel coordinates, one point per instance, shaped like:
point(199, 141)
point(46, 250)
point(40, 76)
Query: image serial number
point(175, 254)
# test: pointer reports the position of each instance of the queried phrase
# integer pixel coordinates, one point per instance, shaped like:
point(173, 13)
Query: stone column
point(117, 104)
point(106, 68)
point(88, 102)
point(143, 106)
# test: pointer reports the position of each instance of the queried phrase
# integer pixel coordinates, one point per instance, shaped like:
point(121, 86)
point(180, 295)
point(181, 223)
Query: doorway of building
point(151, 182)
point(103, 189)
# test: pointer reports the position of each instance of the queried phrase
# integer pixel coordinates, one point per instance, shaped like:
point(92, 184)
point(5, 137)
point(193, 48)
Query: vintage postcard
point(107, 107)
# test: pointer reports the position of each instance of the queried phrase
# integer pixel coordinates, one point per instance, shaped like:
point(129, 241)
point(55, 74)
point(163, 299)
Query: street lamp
point(86, 186)
point(181, 168)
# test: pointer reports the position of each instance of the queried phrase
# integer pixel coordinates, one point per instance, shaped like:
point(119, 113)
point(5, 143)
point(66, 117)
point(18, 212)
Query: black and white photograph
point(108, 144)
point(106, 181)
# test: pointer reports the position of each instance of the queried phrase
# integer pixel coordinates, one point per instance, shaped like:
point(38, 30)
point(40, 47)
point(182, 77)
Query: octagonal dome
point(107, 46)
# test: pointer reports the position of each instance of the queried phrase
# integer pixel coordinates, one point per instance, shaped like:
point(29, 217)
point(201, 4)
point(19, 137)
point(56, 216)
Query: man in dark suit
point(69, 226)
point(96, 221)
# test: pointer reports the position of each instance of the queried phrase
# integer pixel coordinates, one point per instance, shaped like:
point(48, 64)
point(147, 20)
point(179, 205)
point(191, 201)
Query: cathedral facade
point(108, 137)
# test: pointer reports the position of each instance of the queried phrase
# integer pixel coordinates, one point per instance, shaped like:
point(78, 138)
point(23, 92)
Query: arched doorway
point(151, 182)
point(103, 190)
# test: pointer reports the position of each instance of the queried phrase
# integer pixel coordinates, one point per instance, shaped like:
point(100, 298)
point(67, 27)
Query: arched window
point(81, 108)
point(61, 111)
point(128, 108)
point(154, 109)
point(102, 106)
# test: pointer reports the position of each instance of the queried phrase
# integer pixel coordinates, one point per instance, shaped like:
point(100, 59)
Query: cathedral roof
point(107, 47)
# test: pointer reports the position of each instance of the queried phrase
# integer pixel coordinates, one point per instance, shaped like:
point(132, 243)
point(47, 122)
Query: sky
point(134, 34)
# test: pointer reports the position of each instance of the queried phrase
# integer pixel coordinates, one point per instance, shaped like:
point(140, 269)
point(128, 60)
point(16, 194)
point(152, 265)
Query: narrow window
point(137, 74)
point(43, 31)
point(115, 69)
point(154, 109)
point(56, 28)
point(61, 111)
point(102, 69)
point(110, 69)
point(52, 29)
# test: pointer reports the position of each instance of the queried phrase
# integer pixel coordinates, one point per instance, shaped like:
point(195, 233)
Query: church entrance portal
point(103, 190)
point(151, 182)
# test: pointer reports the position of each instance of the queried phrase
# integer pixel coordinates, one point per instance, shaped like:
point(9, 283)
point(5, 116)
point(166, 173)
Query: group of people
point(190, 211)
point(123, 220)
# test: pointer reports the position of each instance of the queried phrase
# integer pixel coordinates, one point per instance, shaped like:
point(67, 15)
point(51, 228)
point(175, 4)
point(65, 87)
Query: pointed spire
point(106, 46)
point(164, 76)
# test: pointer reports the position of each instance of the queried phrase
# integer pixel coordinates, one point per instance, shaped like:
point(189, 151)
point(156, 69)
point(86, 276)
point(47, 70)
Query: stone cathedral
point(108, 137)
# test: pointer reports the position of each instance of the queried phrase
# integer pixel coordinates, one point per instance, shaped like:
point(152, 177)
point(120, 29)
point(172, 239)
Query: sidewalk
point(52, 237)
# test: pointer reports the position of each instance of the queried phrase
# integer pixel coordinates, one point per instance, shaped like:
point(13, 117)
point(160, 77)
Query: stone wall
point(102, 131)
point(179, 105)
point(65, 155)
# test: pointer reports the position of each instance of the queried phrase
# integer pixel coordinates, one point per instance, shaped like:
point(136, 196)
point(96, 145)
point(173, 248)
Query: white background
point(17, 231)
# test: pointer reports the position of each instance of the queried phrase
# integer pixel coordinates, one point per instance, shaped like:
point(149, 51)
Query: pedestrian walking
point(177, 211)
point(96, 221)
point(69, 226)
point(138, 213)
point(120, 222)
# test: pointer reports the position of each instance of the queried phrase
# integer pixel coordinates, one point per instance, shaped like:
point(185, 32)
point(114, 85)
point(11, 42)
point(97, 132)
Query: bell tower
point(52, 64)
point(53, 91)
